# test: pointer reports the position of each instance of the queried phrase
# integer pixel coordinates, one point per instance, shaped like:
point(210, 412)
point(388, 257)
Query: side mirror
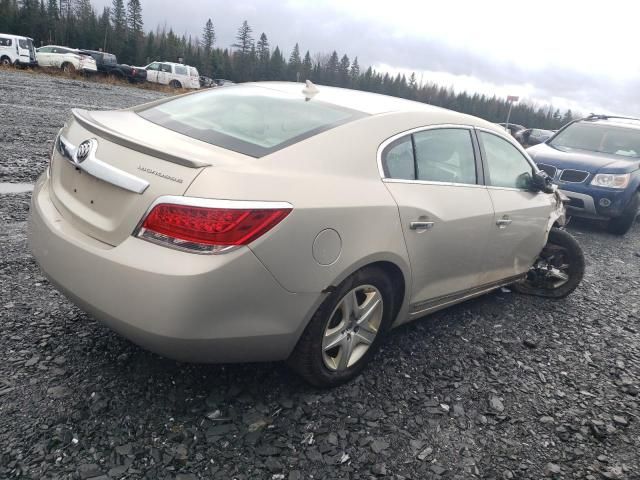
point(542, 182)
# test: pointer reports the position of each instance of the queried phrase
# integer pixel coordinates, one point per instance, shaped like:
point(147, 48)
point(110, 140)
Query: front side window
point(445, 155)
point(153, 66)
point(23, 43)
point(251, 120)
point(507, 166)
point(5, 42)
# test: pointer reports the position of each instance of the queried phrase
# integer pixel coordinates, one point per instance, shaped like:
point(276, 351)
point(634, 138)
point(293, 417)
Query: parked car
point(532, 136)
point(67, 59)
point(107, 63)
point(260, 222)
point(221, 82)
point(512, 128)
point(206, 82)
point(176, 75)
point(16, 50)
point(596, 163)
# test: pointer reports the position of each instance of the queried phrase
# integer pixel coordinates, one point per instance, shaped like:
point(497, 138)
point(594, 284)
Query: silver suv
point(278, 221)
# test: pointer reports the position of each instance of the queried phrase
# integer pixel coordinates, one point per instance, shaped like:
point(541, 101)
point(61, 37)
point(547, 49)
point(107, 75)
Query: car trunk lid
point(131, 162)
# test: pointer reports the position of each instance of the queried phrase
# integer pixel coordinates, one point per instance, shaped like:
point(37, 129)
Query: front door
point(446, 212)
point(152, 72)
point(521, 215)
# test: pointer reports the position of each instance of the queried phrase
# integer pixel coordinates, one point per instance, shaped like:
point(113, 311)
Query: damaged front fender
point(558, 216)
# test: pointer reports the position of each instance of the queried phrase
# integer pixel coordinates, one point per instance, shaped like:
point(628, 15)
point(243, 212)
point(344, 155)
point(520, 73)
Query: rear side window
point(181, 70)
point(441, 155)
point(398, 159)
point(251, 120)
point(165, 67)
point(5, 42)
point(507, 166)
point(445, 155)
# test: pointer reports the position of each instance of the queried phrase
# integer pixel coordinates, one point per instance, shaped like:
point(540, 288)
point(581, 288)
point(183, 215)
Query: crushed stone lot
point(501, 387)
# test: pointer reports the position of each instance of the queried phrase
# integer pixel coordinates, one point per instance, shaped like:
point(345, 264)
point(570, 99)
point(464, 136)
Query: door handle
point(421, 225)
point(504, 221)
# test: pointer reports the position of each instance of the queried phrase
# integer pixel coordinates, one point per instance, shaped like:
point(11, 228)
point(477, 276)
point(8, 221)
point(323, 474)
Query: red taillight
point(208, 230)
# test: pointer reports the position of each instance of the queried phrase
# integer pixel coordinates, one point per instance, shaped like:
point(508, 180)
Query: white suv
point(16, 50)
point(175, 75)
point(68, 59)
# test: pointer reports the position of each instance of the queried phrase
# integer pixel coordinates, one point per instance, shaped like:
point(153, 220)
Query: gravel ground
point(505, 386)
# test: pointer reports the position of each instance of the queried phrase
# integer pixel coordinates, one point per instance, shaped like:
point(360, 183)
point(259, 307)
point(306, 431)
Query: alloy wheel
point(352, 328)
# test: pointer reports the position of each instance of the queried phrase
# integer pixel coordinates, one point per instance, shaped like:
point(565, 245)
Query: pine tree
point(295, 64)
point(355, 70)
point(332, 68)
point(343, 71)
point(134, 17)
point(119, 22)
point(244, 43)
point(263, 55)
point(277, 65)
point(208, 37)
point(307, 66)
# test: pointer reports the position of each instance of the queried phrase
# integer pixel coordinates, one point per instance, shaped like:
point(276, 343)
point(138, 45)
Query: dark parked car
point(596, 163)
point(512, 127)
point(107, 63)
point(533, 136)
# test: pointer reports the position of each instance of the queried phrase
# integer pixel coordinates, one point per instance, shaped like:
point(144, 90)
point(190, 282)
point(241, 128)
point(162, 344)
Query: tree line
point(119, 29)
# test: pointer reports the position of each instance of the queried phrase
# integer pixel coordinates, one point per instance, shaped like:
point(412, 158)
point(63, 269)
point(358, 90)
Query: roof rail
point(594, 116)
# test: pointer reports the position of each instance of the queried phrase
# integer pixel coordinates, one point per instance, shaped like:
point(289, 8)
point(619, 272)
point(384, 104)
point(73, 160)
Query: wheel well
point(397, 278)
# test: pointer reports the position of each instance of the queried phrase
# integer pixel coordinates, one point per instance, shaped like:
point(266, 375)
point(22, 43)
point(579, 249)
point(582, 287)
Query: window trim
point(485, 165)
point(480, 180)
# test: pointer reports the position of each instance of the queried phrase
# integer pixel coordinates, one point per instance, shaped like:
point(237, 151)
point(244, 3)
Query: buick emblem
point(84, 149)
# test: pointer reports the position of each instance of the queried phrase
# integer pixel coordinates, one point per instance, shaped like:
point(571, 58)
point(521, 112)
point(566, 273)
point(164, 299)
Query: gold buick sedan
point(283, 221)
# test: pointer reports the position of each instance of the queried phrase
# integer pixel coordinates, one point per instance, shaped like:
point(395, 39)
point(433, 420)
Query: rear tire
point(561, 256)
point(356, 335)
point(175, 84)
point(68, 67)
point(622, 224)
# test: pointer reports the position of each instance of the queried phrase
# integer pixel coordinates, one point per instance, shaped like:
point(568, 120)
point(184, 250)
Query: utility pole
point(511, 99)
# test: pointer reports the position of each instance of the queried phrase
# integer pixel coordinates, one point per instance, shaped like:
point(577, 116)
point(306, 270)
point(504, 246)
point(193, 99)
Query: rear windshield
point(248, 119)
point(596, 137)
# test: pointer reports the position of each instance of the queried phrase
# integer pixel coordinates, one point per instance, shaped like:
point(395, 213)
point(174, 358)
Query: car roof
point(632, 123)
point(365, 102)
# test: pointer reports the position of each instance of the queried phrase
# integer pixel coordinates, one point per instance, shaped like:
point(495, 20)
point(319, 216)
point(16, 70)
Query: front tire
point(622, 224)
point(5, 61)
point(346, 330)
point(558, 270)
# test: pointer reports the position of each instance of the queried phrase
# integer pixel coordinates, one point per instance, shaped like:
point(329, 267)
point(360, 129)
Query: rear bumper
point(205, 308)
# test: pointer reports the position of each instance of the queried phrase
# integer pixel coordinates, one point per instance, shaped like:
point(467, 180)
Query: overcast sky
point(572, 54)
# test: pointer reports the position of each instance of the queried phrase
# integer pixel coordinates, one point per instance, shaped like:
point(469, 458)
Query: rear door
point(521, 215)
point(446, 213)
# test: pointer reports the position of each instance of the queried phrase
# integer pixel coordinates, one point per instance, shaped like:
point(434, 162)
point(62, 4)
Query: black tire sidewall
point(307, 358)
point(563, 239)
